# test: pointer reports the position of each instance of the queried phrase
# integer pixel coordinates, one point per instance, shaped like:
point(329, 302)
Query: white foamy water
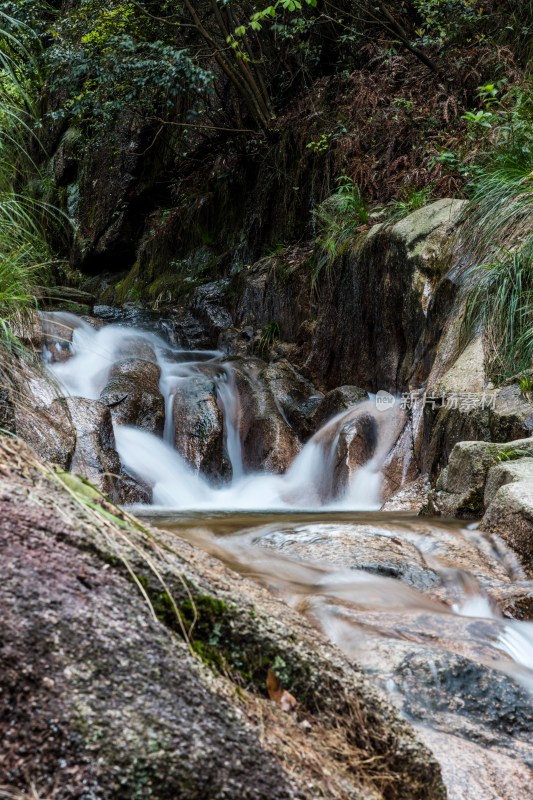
point(309, 480)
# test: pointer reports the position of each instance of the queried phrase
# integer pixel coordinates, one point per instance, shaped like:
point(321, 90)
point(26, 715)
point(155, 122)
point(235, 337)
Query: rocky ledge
point(134, 665)
point(495, 482)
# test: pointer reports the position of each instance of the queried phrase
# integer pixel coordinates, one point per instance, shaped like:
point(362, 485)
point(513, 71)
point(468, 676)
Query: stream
point(429, 608)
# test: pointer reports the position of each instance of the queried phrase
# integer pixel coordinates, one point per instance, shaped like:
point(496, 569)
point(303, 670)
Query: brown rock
point(199, 426)
point(133, 396)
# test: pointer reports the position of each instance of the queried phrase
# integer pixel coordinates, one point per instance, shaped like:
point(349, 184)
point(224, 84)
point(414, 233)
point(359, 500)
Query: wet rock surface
point(374, 324)
point(294, 395)
point(336, 401)
point(449, 674)
point(111, 702)
point(133, 396)
point(199, 426)
point(95, 457)
point(48, 430)
point(268, 441)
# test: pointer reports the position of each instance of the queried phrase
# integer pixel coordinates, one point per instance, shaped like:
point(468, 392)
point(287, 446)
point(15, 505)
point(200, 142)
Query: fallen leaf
point(278, 694)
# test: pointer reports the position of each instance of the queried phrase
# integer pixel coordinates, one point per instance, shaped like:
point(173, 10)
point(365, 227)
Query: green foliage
point(442, 20)
point(500, 302)
point(269, 336)
point(512, 454)
point(321, 145)
point(525, 385)
point(105, 58)
point(413, 200)
point(351, 200)
point(338, 222)
point(498, 228)
point(24, 218)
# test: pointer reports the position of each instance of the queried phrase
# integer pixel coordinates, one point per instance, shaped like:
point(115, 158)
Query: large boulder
point(133, 396)
point(460, 490)
point(103, 693)
point(48, 430)
point(495, 415)
point(380, 319)
point(509, 504)
point(294, 395)
point(269, 443)
point(95, 457)
point(335, 402)
point(199, 425)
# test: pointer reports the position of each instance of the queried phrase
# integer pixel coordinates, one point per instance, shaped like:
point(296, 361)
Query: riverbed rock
point(48, 430)
point(269, 443)
point(133, 396)
point(111, 701)
point(337, 400)
point(460, 489)
point(199, 426)
point(95, 457)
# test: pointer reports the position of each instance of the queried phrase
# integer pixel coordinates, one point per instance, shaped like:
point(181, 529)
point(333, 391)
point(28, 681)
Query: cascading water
point(147, 457)
point(396, 594)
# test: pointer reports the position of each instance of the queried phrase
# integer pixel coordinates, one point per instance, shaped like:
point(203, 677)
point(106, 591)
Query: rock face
point(374, 330)
point(500, 415)
point(132, 394)
point(268, 441)
point(48, 429)
point(509, 506)
point(277, 289)
point(199, 426)
point(110, 701)
point(461, 488)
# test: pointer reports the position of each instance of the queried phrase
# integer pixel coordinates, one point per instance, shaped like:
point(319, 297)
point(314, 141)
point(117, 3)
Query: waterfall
point(308, 483)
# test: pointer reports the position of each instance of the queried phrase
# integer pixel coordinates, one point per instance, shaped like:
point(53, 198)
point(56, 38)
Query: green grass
point(500, 303)
point(25, 220)
point(497, 238)
point(412, 200)
point(338, 221)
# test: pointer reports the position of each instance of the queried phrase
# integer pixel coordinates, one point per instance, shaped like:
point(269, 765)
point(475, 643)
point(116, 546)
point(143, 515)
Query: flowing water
point(416, 602)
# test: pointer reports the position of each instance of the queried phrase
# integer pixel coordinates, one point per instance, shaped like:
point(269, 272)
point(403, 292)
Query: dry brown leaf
point(278, 694)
